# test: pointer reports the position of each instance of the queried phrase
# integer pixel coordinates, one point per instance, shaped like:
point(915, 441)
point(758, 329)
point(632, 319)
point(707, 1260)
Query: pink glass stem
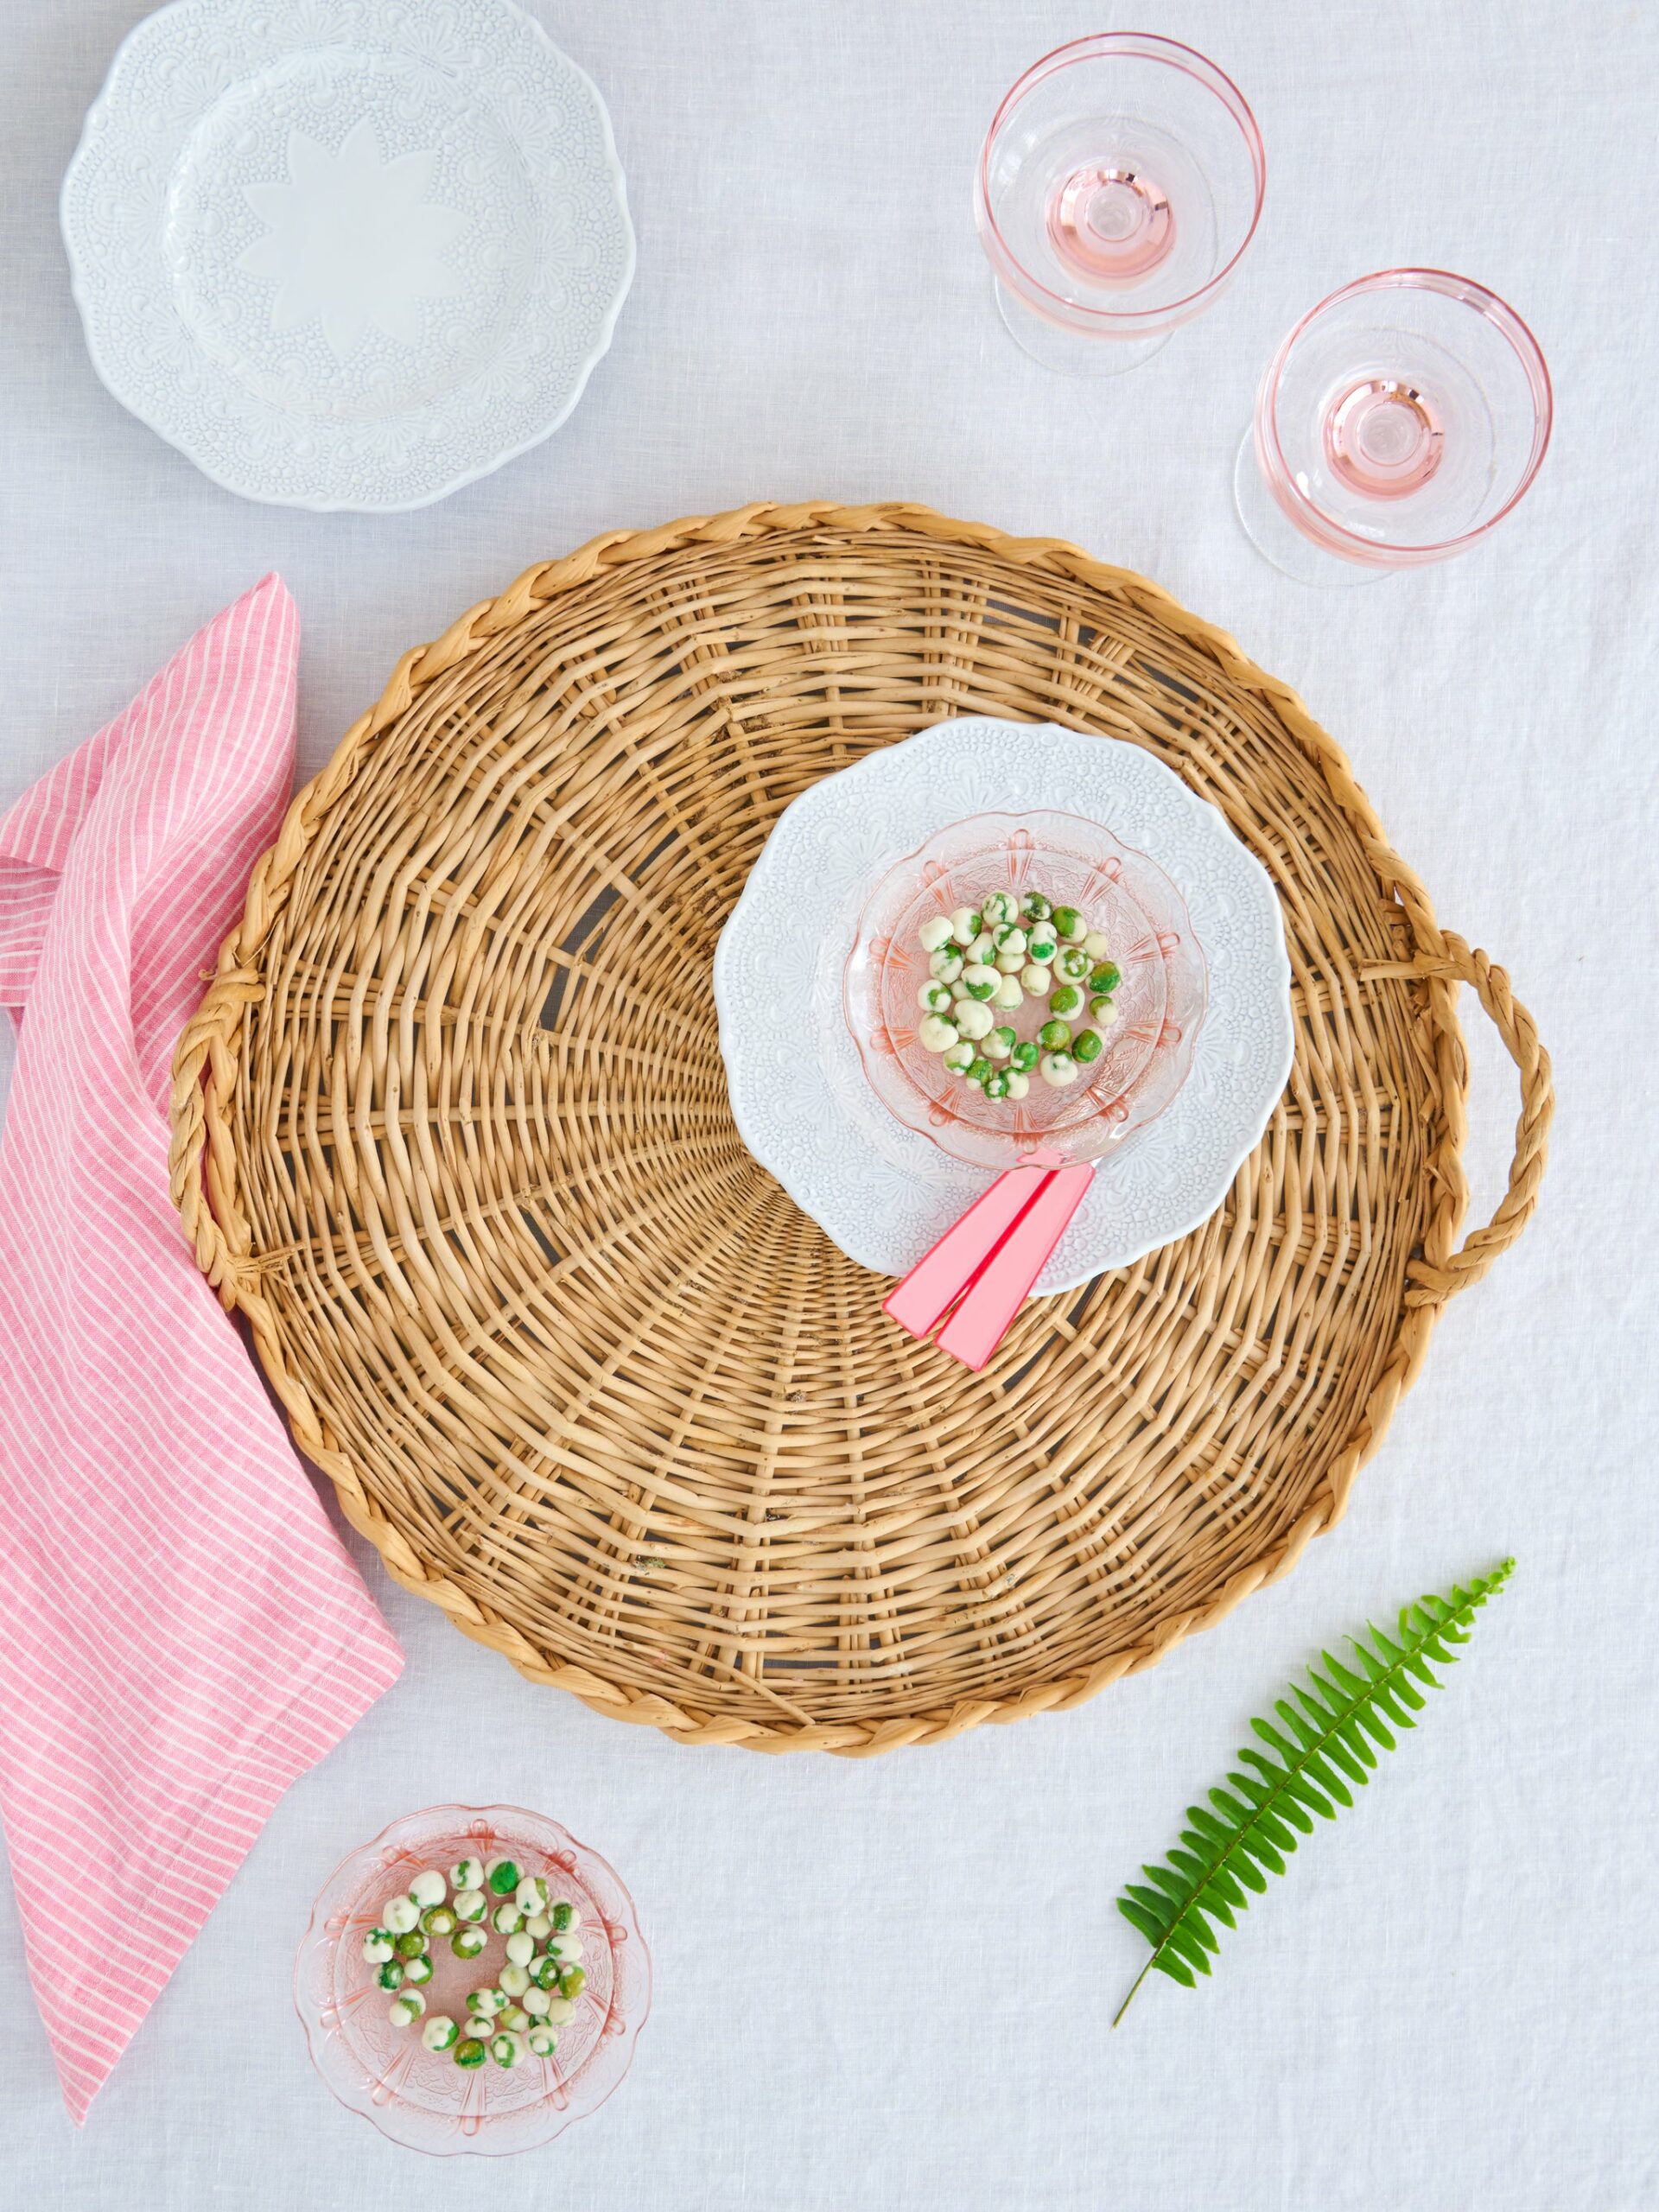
point(935, 1283)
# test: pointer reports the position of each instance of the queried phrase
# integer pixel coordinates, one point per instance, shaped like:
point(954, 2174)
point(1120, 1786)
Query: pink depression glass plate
point(1161, 1001)
point(422, 2098)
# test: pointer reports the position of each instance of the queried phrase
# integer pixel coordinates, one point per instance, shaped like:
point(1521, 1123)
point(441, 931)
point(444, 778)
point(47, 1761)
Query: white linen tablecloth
point(1452, 1999)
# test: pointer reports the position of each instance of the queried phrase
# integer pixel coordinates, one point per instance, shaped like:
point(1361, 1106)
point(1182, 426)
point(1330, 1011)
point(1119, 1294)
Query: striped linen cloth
point(184, 1633)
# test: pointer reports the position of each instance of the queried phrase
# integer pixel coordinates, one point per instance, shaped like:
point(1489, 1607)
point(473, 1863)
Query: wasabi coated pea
point(1009, 964)
point(505, 1918)
point(572, 1982)
point(974, 1021)
point(440, 2032)
point(539, 1927)
point(516, 2017)
point(982, 950)
point(981, 982)
point(1035, 908)
point(1023, 1058)
point(934, 932)
point(418, 1971)
point(468, 1942)
point(406, 2009)
point(1102, 1013)
point(999, 907)
point(399, 1914)
point(1096, 944)
point(996, 1084)
point(965, 925)
point(1087, 1047)
point(521, 1948)
point(469, 2051)
point(1069, 925)
point(1036, 979)
point(959, 1059)
point(1054, 1036)
point(1008, 996)
point(1072, 964)
point(481, 2026)
point(1019, 1084)
point(536, 2002)
point(1066, 1003)
point(502, 1877)
point(507, 2050)
point(485, 2004)
point(410, 1944)
point(1041, 942)
point(562, 2011)
point(1000, 1043)
point(390, 1976)
point(934, 998)
point(935, 1034)
point(1105, 976)
point(1009, 939)
point(565, 1915)
point(978, 1073)
point(1058, 1068)
point(438, 1920)
point(515, 1980)
point(946, 967)
point(466, 1874)
point(542, 2042)
point(470, 1906)
point(378, 1946)
point(429, 1887)
point(545, 1973)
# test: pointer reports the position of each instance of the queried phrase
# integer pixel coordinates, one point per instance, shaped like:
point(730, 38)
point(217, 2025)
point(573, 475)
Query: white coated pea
point(934, 932)
point(1102, 1012)
point(981, 981)
point(932, 998)
point(429, 1887)
point(542, 2041)
point(539, 1926)
point(975, 1020)
point(521, 1948)
point(507, 2050)
point(1010, 937)
point(532, 1895)
point(515, 1980)
point(1042, 943)
point(505, 1918)
point(983, 949)
point(1036, 979)
point(484, 2003)
point(418, 1969)
point(964, 925)
point(409, 2007)
point(537, 2002)
point(1019, 1084)
point(567, 1948)
point(470, 1905)
point(959, 1059)
point(1000, 907)
point(1009, 964)
point(1008, 996)
point(945, 967)
point(480, 2026)
point(1058, 1068)
point(938, 1035)
point(440, 2032)
point(997, 1045)
point(377, 1947)
point(466, 1874)
point(1096, 945)
point(400, 1915)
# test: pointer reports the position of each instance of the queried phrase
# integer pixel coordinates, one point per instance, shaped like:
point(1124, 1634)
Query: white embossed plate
point(884, 1192)
point(346, 253)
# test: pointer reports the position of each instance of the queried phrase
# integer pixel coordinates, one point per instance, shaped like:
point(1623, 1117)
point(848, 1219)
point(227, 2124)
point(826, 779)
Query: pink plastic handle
point(981, 1322)
point(935, 1283)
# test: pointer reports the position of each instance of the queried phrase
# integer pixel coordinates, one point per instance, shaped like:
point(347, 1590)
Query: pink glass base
point(1111, 223)
point(1277, 539)
point(1071, 352)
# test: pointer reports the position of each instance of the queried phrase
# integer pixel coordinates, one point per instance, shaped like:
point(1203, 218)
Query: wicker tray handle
point(1438, 1274)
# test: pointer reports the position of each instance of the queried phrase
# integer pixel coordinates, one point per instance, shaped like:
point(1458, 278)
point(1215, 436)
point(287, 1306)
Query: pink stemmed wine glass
point(1119, 183)
point(1398, 424)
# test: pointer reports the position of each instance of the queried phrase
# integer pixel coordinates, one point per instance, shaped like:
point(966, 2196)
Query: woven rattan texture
point(451, 1129)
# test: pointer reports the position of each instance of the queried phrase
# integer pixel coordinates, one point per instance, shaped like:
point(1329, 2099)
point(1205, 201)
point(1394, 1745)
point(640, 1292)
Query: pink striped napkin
point(185, 1634)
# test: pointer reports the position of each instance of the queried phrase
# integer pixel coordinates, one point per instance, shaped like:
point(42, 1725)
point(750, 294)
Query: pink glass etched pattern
point(1399, 423)
point(422, 2098)
point(1119, 185)
point(1160, 1002)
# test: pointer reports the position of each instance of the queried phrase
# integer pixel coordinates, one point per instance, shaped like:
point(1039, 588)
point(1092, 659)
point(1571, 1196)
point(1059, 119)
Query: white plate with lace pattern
point(346, 253)
point(885, 1193)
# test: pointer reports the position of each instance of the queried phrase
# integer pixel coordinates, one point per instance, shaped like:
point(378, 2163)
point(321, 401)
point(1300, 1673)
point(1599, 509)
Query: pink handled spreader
point(977, 1276)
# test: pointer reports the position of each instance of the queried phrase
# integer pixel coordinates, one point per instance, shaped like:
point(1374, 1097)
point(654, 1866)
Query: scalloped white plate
point(346, 253)
point(885, 1193)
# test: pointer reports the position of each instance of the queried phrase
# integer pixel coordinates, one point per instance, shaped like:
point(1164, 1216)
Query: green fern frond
point(1325, 1747)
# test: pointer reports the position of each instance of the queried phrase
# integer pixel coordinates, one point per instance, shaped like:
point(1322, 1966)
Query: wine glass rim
point(1150, 46)
point(1497, 311)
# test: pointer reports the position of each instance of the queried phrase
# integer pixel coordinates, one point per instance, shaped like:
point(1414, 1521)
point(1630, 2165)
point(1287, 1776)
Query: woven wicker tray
point(450, 1129)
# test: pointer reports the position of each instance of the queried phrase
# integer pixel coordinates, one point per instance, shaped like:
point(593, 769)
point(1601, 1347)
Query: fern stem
point(1134, 1985)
